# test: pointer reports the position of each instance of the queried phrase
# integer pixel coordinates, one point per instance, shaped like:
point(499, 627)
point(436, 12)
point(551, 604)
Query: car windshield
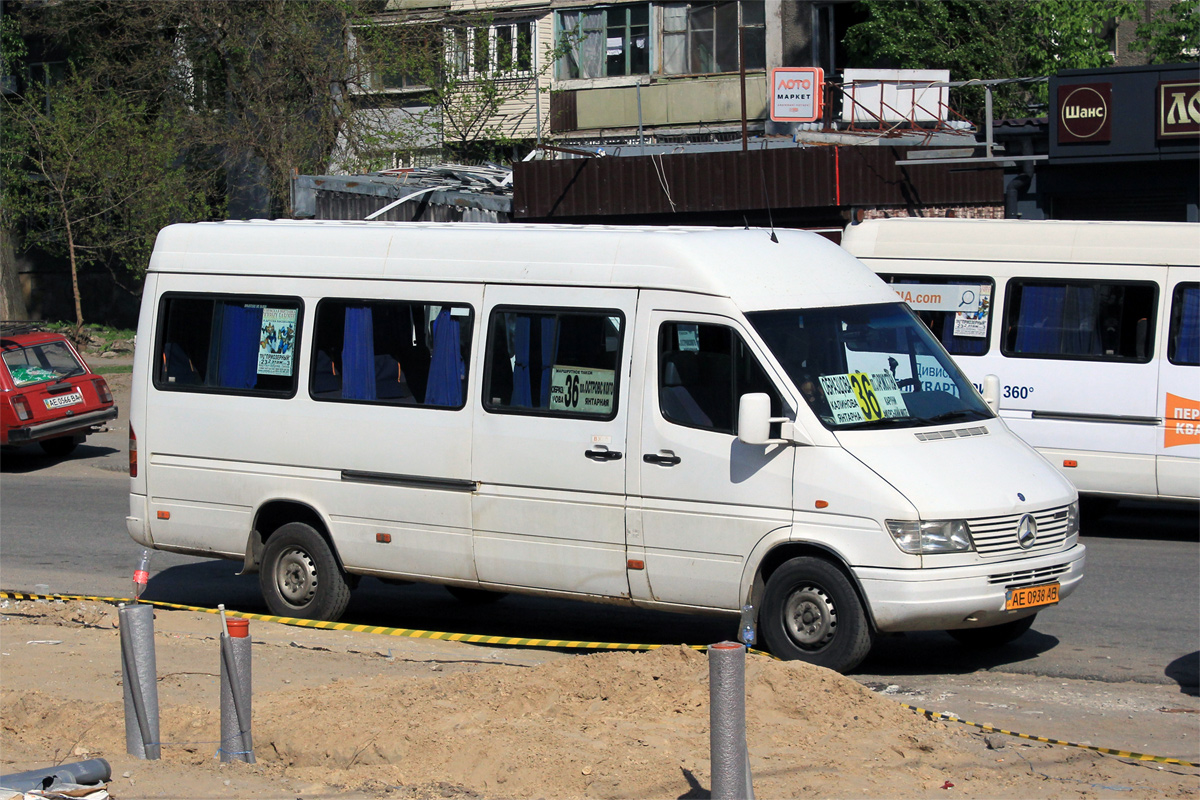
point(38, 363)
point(869, 366)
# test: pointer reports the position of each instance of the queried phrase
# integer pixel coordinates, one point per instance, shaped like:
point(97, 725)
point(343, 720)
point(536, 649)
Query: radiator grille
point(996, 537)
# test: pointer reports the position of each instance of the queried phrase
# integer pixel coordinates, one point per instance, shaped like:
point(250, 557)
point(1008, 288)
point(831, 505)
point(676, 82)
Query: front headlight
point(933, 536)
point(1072, 524)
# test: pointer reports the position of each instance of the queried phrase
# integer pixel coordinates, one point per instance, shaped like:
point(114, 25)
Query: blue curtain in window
point(1188, 349)
point(237, 360)
point(1079, 334)
point(1039, 320)
point(446, 369)
point(358, 355)
point(549, 356)
point(522, 395)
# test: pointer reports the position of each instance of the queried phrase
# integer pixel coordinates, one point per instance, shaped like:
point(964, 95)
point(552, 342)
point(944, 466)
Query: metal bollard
point(236, 741)
point(731, 779)
point(139, 679)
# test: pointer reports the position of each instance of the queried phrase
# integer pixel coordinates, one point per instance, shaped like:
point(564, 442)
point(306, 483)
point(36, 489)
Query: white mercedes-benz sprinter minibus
point(1093, 329)
point(691, 420)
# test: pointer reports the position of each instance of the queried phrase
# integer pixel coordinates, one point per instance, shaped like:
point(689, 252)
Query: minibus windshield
point(869, 366)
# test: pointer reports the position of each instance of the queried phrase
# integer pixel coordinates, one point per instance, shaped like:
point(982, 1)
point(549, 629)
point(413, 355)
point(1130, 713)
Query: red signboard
point(1085, 113)
point(1177, 107)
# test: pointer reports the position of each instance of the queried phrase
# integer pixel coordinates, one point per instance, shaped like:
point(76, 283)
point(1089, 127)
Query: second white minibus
point(692, 420)
point(1093, 329)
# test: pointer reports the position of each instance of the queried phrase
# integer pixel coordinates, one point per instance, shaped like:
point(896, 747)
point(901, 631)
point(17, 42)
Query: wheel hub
point(810, 617)
point(296, 577)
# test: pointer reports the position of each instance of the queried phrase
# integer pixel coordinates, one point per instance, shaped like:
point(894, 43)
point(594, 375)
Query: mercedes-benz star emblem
point(1027, 532)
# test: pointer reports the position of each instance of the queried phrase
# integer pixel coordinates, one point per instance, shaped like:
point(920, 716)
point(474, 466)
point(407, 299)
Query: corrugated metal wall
point(735, 181)
point(350, 205)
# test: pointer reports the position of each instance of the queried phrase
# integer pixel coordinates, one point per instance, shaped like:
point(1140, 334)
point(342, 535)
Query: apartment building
point(586, 74)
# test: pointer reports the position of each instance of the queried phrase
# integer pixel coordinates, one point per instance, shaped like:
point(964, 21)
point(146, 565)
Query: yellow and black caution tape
point(469, 638)
point(555, 644)
point(1106, 750)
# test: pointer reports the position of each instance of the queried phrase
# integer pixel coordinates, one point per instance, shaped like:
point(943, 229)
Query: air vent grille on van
point(957, 433)
point(1028, 577)
point(997, 536)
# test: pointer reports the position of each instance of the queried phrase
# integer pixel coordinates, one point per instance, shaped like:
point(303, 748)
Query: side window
point(702, 372)
point(1080, 320)
point(1183, 344)
point(236, 344)
point(384, 351)
point(555, 362)
point(957, 309)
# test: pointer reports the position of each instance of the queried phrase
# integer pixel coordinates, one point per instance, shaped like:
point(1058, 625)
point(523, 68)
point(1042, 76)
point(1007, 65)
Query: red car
point(48, 394)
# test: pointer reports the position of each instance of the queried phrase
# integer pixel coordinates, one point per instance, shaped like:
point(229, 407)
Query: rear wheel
point(59, 447)
point(300, 577)
point(812, 613)
point(475, 597)
point(994, 635)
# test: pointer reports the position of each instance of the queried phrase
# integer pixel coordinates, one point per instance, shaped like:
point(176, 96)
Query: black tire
point(994, 635)
point(812, 613)
point(475, 597)
point(299, 576)
point(59, 448)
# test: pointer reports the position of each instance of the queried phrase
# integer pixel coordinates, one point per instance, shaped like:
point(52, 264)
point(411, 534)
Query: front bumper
point(66, 426)
point(962, 597)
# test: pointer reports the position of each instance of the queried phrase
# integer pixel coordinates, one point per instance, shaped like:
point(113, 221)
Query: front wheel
point(812, 613)
point(994, 635)
point(300, 577)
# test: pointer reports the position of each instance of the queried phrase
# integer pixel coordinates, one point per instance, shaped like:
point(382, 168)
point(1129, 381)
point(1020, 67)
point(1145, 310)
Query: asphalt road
point(1135, 618)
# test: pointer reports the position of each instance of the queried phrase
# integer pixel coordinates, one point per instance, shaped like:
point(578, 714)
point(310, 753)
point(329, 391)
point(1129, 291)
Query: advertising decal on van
point(1183, 421)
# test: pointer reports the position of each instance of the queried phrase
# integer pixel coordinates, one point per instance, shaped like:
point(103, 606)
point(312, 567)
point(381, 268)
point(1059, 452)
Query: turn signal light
point(132, 453)
point(21, 406)
point(1070, 463)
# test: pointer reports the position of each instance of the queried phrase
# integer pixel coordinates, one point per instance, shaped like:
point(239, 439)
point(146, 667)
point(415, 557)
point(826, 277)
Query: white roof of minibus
point(804, 270)
point(1030, 241)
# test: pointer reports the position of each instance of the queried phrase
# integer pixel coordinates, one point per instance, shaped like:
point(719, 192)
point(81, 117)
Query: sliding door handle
point(602, 455)
point(666, 461)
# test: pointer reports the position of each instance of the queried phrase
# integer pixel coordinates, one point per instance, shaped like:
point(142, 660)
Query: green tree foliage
point(1172, 34)
point(91, 175)
point(987, 40)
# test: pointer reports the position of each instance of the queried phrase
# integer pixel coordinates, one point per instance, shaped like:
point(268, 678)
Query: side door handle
point(665, 461)
point(602, 455)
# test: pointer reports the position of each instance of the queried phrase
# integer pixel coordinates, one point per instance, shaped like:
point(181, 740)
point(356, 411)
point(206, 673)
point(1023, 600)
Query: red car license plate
point(63, 400)
point(1031, 596)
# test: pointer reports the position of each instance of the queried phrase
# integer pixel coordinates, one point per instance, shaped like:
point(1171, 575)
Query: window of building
point(605, 41)
point(384, 351)
point(962, 333)
point(1080, 319)
point(1183, 344)
point(502, 49)
point(554, 362)
point(239, 344)
point(703, 370)
point(398, 56)
point(703, 38)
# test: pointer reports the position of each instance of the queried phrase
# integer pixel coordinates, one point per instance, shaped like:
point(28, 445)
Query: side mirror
point(991, 393)
point(755, 420)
